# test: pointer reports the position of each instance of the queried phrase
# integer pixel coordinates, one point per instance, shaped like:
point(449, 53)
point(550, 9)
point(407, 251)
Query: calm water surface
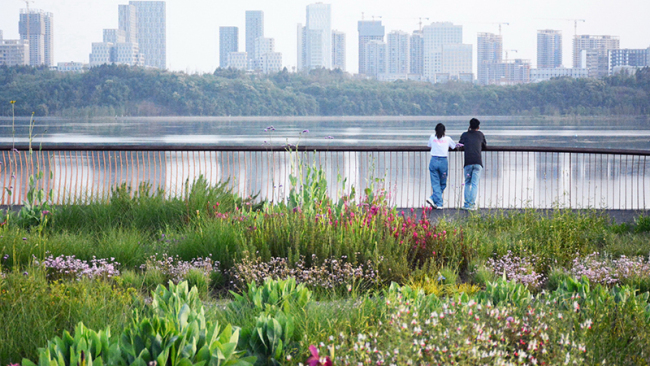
point(596, 132)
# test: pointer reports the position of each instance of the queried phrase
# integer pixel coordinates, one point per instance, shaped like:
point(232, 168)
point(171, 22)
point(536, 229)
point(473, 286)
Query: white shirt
point(440, 147)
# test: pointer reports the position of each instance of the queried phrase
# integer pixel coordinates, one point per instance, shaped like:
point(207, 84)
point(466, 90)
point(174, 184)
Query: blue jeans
point(438, 168)
point(472, 177)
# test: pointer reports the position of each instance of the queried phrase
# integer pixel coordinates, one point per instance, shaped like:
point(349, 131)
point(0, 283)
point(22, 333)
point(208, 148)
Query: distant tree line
point(129, 91)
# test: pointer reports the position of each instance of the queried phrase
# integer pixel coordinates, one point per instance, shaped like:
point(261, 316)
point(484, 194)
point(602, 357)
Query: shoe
point(430, 202)
point(465, 208)
point(438, 207)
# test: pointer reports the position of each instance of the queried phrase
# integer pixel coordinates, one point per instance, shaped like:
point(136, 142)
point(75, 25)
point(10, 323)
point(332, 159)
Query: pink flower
point(316, 360)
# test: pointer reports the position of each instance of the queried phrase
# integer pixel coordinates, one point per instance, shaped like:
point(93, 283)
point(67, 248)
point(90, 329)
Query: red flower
point(316, 360)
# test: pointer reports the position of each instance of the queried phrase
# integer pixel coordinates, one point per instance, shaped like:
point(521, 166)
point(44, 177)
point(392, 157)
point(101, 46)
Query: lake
point(591, 132)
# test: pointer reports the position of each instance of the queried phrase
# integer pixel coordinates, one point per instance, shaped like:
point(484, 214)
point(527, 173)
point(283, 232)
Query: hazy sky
point(193, 25)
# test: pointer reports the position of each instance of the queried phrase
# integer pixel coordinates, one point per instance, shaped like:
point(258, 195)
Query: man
point(474, 142)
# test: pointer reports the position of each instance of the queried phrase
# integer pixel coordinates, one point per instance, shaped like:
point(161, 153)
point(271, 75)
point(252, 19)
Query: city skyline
point(193, 30)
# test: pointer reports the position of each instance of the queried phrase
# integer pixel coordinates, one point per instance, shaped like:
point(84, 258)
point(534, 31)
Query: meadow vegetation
point(212, 278)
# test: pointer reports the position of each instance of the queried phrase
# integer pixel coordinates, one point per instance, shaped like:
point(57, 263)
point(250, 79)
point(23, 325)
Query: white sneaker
point(439, 207)
point(430, 202)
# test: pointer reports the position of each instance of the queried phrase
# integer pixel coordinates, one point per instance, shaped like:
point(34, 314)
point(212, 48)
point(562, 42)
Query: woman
point(439, 166)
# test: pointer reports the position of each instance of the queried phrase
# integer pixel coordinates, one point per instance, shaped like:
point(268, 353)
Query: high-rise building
point(369, 30)
point(417, 53)
point(457, 59)
point(628, 59)
point(398, 52)
point(151, 33)
point(315, 38)
point(549, 49)
point(35, 27)
point(376, 60)
point(254, 30)
point(338, 50)
point(436, 37)
point(128, 22)
point(228, 42)
point(13, 52)
point(489, 51)
point(591, 52)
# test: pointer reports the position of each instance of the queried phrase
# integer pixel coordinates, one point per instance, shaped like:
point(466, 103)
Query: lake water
point(595, 132)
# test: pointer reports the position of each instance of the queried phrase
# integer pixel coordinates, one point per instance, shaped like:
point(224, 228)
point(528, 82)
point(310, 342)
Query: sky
point(193, 25)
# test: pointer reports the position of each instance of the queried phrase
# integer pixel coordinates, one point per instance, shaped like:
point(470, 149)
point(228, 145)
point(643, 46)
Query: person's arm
point(452, 144)
point(429, 143)
point(462, 138)
point(484, 143)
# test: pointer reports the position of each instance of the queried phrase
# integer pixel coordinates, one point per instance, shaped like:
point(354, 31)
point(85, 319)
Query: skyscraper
point(398, 52)
point(417, 53)
point(489, 51)
point(436, 37)
point(228, 42)
point(151, 22)
point(35, 26)
point(338, 50)
point(315, 43)
point(369, 30)
point(254, 30)
point(128, 22)
point(376, 61)
point(591, 52)
point(549, 49)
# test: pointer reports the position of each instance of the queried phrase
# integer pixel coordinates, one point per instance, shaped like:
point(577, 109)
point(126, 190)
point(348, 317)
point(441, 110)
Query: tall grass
point(34, 310)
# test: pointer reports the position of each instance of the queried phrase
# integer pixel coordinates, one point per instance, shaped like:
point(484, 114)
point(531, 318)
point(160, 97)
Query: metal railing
point(514, 177)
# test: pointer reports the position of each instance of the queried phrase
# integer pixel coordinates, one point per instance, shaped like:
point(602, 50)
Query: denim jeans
point(472, 177)
point(438, 168)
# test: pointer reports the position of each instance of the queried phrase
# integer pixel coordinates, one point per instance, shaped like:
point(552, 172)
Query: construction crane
point(499, 23)
point(420, 19)
point(506, 51)
point(372, 16)
point(575, 23)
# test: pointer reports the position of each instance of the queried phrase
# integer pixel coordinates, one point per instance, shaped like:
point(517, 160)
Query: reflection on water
point(600, 132)
point(510, 179)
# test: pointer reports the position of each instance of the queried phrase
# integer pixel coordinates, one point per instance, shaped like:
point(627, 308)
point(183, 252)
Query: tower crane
point(498, 23)
point(27, 24)
point(575, 23)
point(506, 51)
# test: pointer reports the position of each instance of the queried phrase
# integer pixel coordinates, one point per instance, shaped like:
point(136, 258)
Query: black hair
point(474, 123)
point(440, 130)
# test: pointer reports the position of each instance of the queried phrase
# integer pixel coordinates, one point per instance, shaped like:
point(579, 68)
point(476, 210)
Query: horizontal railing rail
point(514, 177)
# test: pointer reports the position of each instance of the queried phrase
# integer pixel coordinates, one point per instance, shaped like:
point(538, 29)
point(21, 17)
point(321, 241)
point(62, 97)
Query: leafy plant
point(272, 295)
point(87, 348)
point(505, 292)
point(272, 337)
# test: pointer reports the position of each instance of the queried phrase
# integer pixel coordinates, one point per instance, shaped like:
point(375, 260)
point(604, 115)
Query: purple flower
point(5, 257)
point(270, 128)
point(305, 131)
point(14, 150)
point(25, 273)
point(329, 138)
point(46, 212)
point(24, 239)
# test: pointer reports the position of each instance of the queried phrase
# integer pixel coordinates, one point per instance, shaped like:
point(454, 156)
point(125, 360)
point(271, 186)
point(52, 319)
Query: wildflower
point(46, 212)
point(12, 102)
point(24, 239)
point(329, 137)
point(316, 360)
point(25, 273)
point(305, 131)
point(14, 150)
